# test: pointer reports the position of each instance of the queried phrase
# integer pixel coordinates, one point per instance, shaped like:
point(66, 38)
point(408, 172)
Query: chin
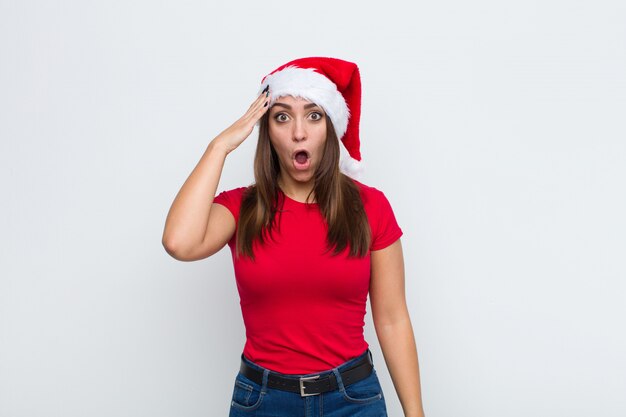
point(302, 177)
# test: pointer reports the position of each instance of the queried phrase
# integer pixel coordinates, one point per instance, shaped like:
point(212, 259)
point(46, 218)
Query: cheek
point(320, 149)
point(321, 138)
point(277, 137)
point(277, 145)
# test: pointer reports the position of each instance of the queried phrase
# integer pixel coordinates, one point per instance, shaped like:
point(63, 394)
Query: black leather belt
point(311, 385)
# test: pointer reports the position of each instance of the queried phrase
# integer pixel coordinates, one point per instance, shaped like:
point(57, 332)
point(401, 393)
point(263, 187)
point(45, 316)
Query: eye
point(316, 115)
point(281, 117)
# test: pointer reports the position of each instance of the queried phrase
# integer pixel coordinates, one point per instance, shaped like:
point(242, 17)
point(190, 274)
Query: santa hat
point(335, 86)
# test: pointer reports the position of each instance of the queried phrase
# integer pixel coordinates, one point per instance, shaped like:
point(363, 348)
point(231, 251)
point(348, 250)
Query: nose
point(299, 130)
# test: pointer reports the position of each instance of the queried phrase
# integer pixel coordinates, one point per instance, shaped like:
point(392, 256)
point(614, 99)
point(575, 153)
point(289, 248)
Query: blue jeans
point(361, 399)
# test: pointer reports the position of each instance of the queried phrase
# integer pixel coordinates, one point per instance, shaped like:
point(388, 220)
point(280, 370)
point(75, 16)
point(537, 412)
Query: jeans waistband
point(343, 375)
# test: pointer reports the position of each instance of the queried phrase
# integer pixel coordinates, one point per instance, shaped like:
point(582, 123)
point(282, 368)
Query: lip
point(308, 154)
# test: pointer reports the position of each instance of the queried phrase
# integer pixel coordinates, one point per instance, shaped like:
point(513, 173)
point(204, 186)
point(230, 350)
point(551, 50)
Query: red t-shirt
point(303, 308)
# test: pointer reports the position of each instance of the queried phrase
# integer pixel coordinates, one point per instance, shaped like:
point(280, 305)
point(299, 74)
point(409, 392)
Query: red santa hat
point(335, 86)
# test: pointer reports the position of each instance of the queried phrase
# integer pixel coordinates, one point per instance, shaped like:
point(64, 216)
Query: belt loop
point(266, 373)
point(339, 380)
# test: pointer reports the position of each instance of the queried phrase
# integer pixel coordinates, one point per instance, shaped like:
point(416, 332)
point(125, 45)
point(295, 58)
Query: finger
point(262, 110)
point(253, 116)
point(264, 94)
point(258, 101)
point(266, 105)
point(258, 108)
point(262, 106)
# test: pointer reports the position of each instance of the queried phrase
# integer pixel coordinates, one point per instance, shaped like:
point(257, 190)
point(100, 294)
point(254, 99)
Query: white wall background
point(496, 129)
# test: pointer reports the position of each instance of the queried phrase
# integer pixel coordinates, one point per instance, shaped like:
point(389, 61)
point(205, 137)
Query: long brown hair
point(336, 194)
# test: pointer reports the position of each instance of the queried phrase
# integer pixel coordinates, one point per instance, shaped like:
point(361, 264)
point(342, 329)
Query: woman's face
point(297, 129)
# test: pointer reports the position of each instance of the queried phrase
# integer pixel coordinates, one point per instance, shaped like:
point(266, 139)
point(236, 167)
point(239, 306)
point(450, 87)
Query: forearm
point(188, 217)
point(398, 345)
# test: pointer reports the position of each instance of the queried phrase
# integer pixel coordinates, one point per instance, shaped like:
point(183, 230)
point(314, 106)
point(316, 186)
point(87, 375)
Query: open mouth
point(301, 159)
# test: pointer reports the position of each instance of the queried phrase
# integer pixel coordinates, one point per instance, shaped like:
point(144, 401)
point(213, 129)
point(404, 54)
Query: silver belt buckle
point(308, 378)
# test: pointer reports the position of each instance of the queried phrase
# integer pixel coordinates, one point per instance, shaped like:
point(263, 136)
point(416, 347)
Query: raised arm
point(196, 228)
point(393, 326)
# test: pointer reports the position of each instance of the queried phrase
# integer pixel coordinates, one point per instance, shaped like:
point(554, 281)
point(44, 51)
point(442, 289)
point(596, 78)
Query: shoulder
point(234, 193)
point(231, 199)
point(385, 228)
point(371, 196)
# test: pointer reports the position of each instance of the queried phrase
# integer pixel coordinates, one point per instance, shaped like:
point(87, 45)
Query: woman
point(309, 243)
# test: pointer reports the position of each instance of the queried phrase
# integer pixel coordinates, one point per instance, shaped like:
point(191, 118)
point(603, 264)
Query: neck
point(296, 190)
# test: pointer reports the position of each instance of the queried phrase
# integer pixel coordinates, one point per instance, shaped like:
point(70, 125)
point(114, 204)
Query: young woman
point(309, 243)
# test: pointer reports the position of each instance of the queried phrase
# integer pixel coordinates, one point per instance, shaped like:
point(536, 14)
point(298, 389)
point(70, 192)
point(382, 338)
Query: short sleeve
point(231, 199)
point(385, 228)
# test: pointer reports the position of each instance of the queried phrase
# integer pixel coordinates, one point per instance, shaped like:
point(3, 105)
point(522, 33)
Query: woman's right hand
point(234, 135)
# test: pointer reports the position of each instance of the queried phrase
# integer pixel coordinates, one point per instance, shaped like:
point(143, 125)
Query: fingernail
point(266, 89)
point(265, 105)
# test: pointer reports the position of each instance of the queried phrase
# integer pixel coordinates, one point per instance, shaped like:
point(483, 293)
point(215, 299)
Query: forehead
point(295, 102)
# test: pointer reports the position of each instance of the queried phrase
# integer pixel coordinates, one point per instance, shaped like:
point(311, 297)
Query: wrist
point(217, 146)
point(415, 412)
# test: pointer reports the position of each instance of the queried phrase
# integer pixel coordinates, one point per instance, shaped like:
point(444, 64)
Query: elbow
point(393, 317)
point(187, 253)
point(169, 247)
point(174, 249)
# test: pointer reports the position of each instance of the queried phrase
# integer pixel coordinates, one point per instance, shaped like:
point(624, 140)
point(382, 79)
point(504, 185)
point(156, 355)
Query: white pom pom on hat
point(335, 86)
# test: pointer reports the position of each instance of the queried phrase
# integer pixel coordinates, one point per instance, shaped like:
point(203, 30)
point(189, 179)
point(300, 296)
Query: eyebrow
point(288, 107)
